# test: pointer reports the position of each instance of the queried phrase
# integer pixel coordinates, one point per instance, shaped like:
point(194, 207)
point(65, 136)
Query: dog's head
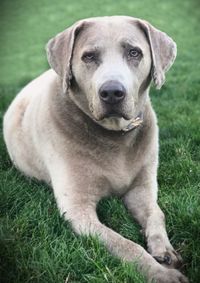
point(106, 64)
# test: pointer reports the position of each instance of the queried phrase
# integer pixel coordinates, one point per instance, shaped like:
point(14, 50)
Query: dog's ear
point(163, 52)
point(59, 52)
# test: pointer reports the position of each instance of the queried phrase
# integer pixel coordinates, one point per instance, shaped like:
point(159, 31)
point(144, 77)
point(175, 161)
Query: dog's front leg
point(78, 205)
point(141, 200)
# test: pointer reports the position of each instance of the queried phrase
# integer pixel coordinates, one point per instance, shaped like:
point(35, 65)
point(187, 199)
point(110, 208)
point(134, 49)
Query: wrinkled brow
point(131, 41)
point(91, 47)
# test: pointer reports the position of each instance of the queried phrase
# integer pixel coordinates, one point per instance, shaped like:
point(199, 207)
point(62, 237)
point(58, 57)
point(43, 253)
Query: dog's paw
point(170, 258)
point(163, 252)
point(168, 276)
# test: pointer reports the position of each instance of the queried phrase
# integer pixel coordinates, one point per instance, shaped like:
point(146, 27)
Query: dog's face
point(106, 64)
point(110, 64)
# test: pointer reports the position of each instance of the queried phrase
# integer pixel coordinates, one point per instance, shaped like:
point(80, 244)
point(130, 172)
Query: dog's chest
point(119, 173)
point(114, 164)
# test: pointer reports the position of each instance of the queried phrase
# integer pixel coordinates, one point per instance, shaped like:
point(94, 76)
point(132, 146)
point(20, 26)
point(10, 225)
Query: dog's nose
point(112, 92)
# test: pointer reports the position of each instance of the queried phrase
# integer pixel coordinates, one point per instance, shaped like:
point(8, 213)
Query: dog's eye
point(89, 57)
point(134, 53)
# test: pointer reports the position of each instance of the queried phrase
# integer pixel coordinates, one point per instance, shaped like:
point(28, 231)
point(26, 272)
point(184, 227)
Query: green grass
point(36, 244)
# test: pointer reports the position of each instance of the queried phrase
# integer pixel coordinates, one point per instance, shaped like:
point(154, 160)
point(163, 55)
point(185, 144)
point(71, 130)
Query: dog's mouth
point(117, 111)
point(116, 114)
point(113, 115)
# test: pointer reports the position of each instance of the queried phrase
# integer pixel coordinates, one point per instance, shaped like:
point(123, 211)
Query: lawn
point(36, 245)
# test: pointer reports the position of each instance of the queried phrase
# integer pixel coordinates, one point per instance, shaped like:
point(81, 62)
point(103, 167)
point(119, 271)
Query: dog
point(87, 128)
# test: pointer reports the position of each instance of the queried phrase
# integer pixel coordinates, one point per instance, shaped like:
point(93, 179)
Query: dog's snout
point(112, 92)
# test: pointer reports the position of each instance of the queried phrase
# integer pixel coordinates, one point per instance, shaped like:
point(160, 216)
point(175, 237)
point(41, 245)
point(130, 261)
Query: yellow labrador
point(87, 127)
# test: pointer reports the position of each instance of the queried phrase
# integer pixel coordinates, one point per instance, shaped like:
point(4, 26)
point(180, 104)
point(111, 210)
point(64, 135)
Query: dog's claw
point(159, 259)
point(167, 259)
